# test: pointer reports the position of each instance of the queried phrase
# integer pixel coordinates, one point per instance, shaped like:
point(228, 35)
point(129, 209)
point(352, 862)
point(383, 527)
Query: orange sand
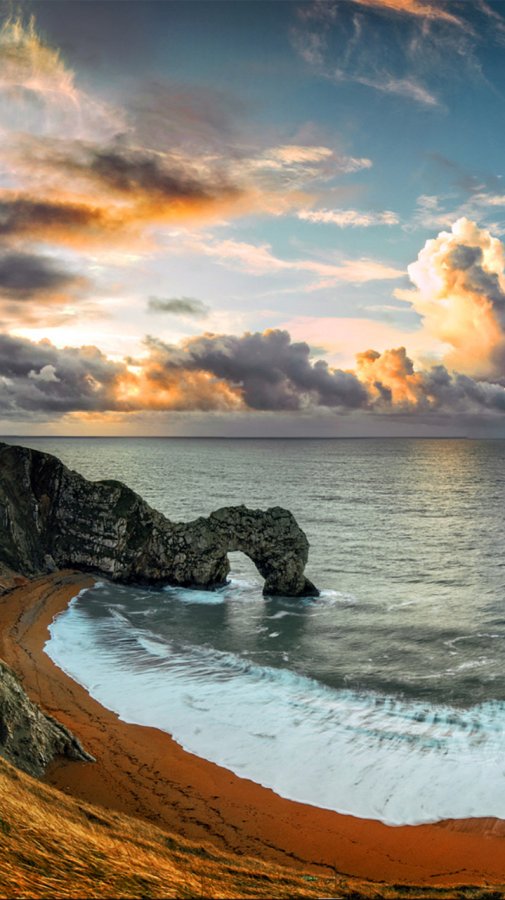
point(143, 772)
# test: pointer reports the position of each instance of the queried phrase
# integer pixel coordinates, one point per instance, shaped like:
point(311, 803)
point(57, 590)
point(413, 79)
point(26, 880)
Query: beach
point(141, 771)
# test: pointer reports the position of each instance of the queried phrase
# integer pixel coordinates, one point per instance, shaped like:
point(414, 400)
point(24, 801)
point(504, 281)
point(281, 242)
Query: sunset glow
point(263, 212)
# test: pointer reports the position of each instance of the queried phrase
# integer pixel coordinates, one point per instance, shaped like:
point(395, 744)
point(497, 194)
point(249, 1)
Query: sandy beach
point(143, 772)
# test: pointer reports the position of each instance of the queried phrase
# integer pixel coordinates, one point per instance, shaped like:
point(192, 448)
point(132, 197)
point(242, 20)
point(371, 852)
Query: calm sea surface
point(383, 698)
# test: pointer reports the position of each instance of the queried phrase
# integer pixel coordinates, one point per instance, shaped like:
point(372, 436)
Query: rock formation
point(29, 738)
point(51, 517)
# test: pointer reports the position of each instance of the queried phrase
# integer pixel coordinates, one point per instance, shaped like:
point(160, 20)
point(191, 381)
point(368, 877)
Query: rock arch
point(52, 516)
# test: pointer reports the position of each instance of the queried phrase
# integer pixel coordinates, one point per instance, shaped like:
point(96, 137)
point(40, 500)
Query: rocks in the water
point(53, 517)
point(29, 738)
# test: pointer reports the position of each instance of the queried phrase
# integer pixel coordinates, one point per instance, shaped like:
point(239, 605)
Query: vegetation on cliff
point(52, 845)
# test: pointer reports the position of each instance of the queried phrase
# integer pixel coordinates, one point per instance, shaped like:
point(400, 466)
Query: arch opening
point(243, 568)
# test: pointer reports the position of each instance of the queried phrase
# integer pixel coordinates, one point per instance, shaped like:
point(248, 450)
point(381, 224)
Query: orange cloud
point(390, 378)
point(76, 192)
point(460, 293)
point(151, 387)
point(102, 179)
point(417, 8)
point(226, 373)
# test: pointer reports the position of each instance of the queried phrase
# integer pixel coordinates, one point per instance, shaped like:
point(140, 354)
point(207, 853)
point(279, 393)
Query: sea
point(383, 698)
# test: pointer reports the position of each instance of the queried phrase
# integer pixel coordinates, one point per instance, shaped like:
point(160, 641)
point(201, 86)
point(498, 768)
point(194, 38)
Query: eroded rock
point(29, 738)
point(52, 517)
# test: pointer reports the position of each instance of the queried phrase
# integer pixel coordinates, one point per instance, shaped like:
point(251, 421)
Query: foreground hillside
point(55, 846)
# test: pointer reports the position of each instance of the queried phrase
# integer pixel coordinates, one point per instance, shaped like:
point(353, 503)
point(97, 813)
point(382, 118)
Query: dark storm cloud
point(179, 306)
point(468, 261)
point(39, 378)
point(128, 171)
point(25, 275)
point(255, 372)
point(273, 373)
point(459, 393)
point(118, 169)
point(24, 215)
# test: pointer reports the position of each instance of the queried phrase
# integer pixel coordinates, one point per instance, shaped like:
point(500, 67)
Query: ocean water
point(383, 698)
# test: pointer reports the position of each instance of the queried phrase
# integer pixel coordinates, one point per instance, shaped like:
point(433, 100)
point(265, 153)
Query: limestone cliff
point(52, 517)
point(28, 738)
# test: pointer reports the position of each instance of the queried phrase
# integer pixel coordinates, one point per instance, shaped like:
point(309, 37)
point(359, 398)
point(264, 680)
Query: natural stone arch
point(272, 539)
point(55, 517)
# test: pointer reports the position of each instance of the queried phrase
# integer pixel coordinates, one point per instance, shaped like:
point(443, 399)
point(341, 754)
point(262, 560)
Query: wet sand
point(143, 772)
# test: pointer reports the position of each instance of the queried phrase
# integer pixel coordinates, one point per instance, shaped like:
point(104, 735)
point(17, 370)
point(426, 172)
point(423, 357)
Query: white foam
point(218, 596)
point(363, 754)
point(329, 597)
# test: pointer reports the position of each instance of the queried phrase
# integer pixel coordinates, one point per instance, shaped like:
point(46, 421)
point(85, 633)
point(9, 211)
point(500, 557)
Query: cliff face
point(53, 517)
point(28, 738)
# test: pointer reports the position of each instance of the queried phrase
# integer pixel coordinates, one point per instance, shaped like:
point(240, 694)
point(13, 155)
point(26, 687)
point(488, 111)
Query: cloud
point(258, 259)
point(332, 39)
point(386, 83)
point(228, 373)
point(308, 161)
point(390, 377)
point(147, 176)
point(179, 306)
point(459, 280)
point(348, 218)
point(23, 276)
point(95, 188)
point(443, 13)
point(311, 46)
point(71, 190)
point(352, 271)
point(416, 8)
point(37, 288)
point(46, 373)
point(394, 385)
point(403, 48)
point(41, 380)
point(79, 173)
point(430, 214)
point(155, 388)
point(271, 372)
point(342, 339)
point(38, 91)
point(54, 220)
point(490, 199)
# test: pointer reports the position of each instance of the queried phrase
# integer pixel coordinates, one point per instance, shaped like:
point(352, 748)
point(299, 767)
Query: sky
point(252, 218)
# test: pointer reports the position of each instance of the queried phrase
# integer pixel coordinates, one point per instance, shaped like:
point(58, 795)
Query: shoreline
point(143, 772)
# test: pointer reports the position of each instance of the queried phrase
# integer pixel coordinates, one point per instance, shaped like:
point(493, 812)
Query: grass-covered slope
point(54, 846)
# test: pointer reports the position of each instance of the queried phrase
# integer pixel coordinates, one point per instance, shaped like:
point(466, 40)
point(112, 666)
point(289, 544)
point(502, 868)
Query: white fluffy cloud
point(459, 280)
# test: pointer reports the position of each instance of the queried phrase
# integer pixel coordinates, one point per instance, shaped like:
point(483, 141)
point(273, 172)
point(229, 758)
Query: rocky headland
point(53, 518)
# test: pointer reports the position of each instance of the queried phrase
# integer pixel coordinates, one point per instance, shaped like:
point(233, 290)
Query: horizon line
point(280, 437)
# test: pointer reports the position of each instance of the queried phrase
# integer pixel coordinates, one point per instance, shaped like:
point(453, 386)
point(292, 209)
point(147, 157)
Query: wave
point(365, 754)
